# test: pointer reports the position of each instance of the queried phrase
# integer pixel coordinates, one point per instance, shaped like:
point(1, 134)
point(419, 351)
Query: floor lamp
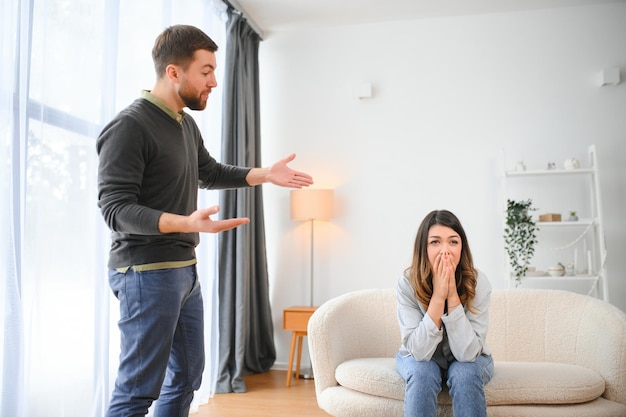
point(310, 205)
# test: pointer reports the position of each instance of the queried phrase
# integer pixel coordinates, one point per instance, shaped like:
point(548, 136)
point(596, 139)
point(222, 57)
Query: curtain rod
point(237, 7)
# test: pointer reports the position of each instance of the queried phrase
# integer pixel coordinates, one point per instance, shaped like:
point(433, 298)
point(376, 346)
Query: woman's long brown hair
point(420, 274)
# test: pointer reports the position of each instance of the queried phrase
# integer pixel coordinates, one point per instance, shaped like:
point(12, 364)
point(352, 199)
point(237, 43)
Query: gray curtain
point(246, 338)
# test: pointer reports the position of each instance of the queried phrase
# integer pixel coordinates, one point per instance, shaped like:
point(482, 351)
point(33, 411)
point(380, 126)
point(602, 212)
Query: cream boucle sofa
point(556, 353)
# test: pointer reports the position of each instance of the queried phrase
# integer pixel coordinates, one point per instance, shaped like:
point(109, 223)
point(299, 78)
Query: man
point(151, 162)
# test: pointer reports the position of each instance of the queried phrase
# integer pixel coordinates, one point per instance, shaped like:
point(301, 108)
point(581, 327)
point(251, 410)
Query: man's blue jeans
point(466, 381)
point(162, 341)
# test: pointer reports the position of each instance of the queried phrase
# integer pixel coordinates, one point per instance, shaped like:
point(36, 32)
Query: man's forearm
point(173, 223)
point(257, 176)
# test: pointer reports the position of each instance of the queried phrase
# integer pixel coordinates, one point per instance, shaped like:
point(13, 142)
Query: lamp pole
point(308, 373)
point(312, 262)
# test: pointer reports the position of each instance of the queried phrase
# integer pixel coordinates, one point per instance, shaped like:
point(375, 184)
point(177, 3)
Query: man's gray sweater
point(150, 163)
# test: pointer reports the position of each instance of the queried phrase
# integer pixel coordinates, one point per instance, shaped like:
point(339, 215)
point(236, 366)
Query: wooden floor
point(267, 396)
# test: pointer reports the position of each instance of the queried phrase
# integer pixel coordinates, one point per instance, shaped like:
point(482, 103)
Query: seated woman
point(443, 310)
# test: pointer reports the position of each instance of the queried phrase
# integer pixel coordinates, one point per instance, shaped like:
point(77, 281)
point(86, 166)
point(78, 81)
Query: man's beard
point(191, 100)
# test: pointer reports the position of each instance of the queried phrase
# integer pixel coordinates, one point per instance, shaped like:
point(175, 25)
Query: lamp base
point(306, 374)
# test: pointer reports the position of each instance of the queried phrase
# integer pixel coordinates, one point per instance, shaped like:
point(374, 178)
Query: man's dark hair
point(177, 44)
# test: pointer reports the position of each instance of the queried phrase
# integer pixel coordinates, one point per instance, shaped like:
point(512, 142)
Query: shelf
point(542, 172)
point(549, 187)
point(562, 278)
point(580, 223)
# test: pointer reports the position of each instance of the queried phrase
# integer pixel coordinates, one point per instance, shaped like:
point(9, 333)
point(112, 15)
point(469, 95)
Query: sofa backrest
point(524, 324)
point(550, 325)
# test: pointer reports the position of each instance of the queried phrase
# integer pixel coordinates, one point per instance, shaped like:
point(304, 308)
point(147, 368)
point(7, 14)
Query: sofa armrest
point(534, 325)
point(601, 345)
point(360, 324)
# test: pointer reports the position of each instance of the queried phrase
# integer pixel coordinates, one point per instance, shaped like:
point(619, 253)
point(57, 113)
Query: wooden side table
point(296, 319)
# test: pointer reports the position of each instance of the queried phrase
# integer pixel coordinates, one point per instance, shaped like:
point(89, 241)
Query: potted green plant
point(520, 236)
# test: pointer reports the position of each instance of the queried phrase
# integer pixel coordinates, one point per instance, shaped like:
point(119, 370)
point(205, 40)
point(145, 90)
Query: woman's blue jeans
point(162, 341)
point(466, 381)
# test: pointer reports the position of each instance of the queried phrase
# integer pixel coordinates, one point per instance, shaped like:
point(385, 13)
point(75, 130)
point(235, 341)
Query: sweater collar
point(160, 104)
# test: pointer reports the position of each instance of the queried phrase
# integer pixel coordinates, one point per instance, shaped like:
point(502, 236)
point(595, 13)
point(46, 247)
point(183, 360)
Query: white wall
point(450, 95)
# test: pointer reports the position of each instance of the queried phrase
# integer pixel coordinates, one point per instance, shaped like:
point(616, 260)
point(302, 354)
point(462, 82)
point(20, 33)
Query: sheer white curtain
point(67, 66)
point(11, 217)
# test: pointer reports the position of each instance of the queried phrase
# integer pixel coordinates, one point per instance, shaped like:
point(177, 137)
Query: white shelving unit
point(580, 243)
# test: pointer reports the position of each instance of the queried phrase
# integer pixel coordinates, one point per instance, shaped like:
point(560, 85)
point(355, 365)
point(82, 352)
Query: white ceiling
point(274, 15)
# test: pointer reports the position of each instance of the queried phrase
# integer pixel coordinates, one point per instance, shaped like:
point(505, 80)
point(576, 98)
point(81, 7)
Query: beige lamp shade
point(311, 204)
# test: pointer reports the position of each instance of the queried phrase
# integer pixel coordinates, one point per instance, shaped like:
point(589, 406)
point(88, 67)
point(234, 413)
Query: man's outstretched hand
point(199, 221)
point(280, 174)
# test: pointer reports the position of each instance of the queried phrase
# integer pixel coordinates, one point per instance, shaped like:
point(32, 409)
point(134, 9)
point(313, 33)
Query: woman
point(443, 310)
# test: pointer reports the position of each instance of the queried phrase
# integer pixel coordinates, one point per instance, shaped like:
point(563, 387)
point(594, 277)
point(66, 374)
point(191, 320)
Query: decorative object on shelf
point(572, 217)
point(551, 166)
point(585, 266)
point(520, 236)
point(309, 205)
point(534, 272)
point(520, 166)
point(569, 270)
point(550, 217)
point(571, 163)
point(557, 271)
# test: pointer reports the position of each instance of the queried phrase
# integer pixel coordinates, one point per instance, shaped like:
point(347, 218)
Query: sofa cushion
point(512, 382)
point(542, 383)
point(374, 376)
